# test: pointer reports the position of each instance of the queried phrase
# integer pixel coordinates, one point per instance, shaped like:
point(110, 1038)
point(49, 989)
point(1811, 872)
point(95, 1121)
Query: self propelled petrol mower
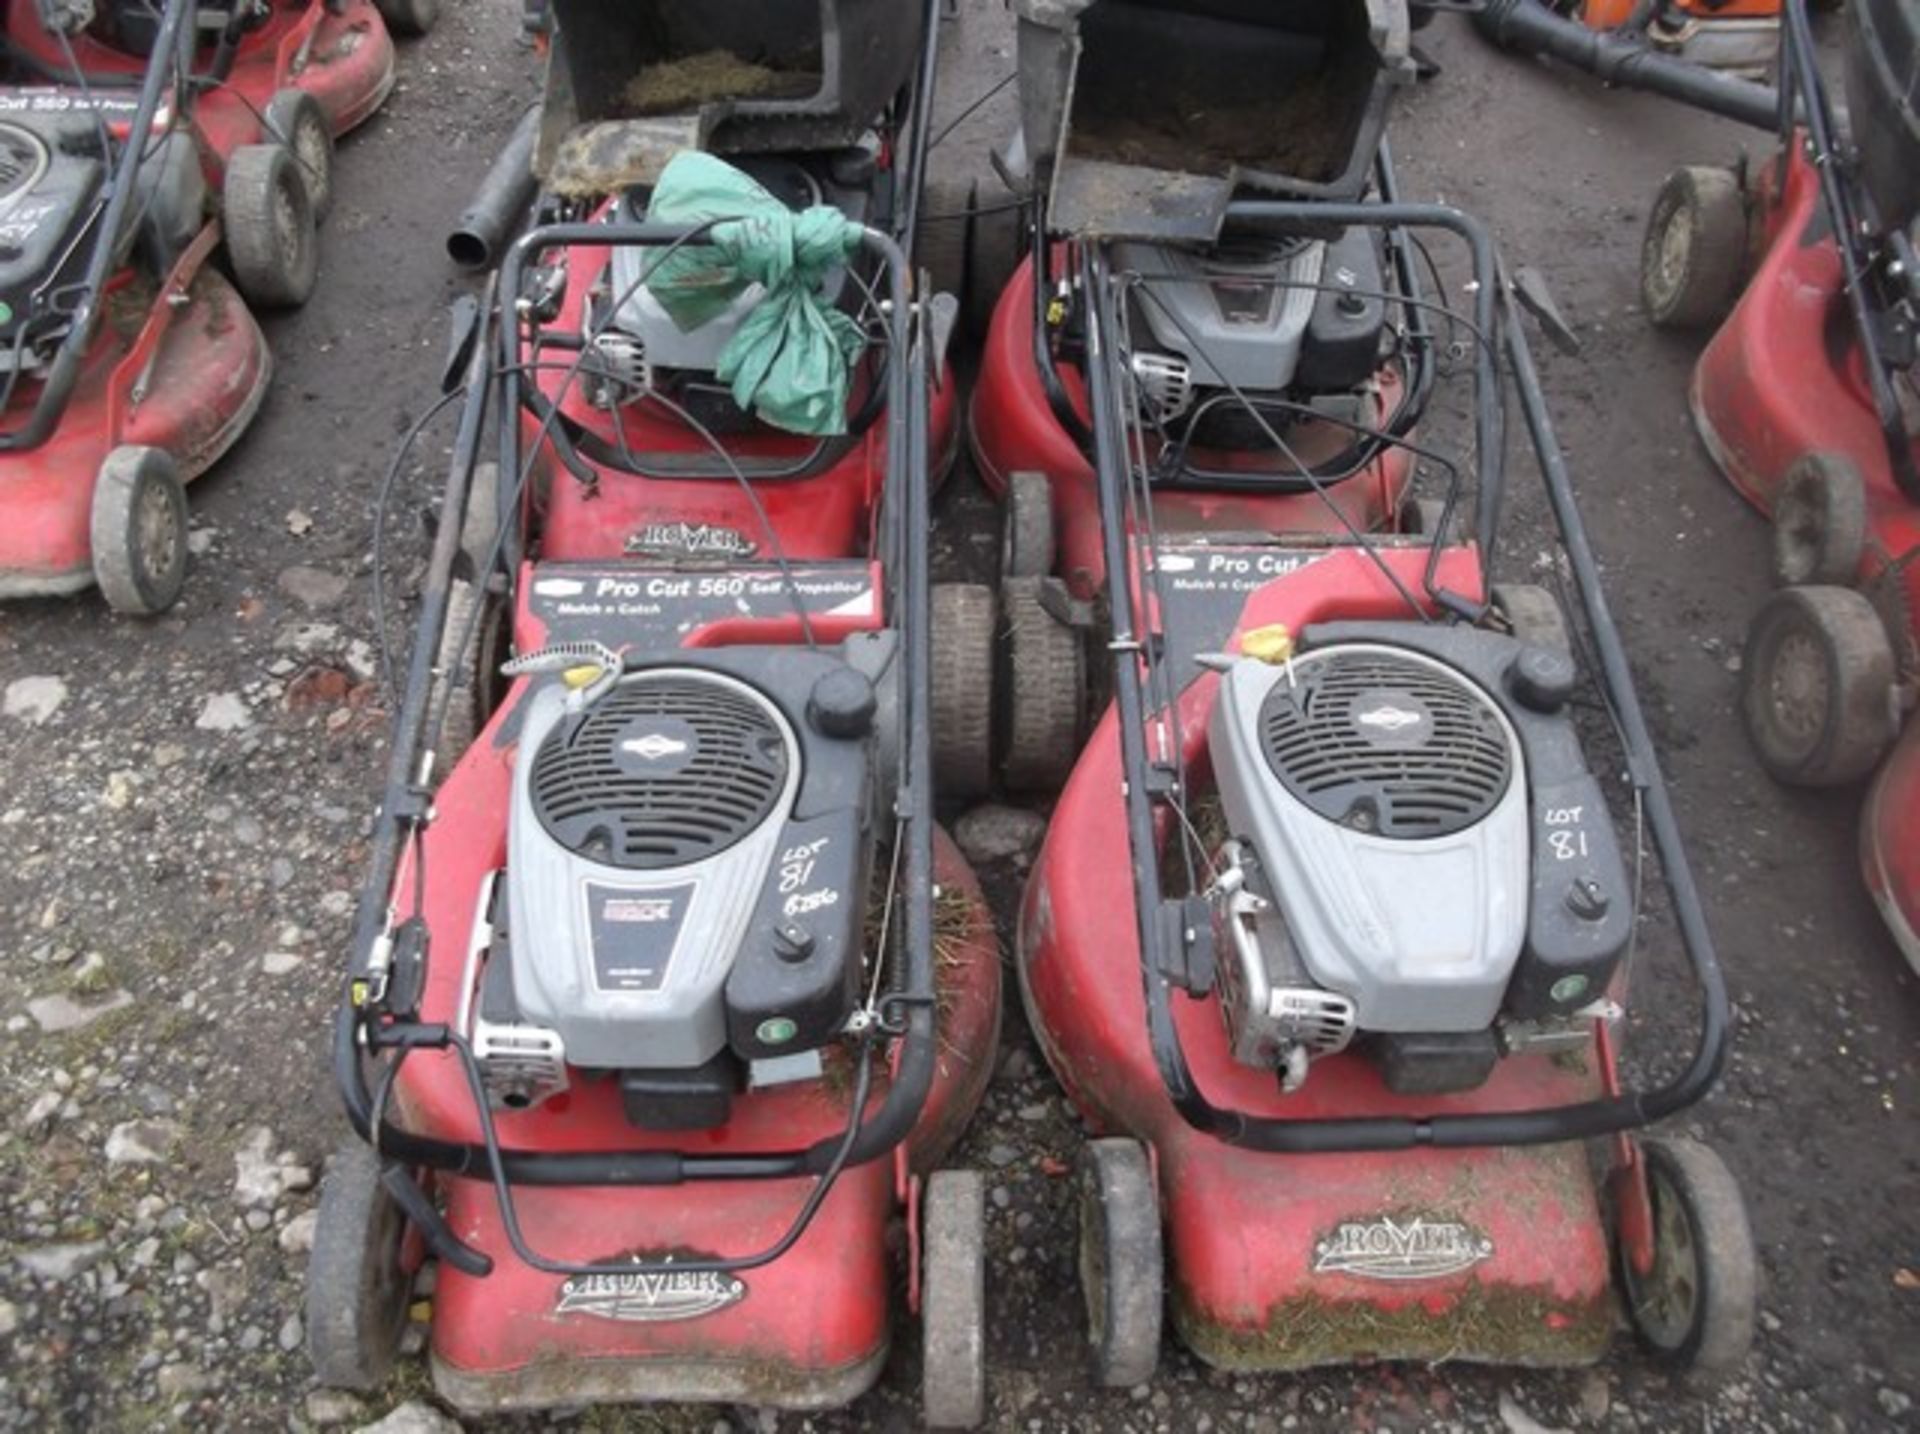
point(1347, 1047)
point(1808, 399)
point(128, 363)
point(667, 997)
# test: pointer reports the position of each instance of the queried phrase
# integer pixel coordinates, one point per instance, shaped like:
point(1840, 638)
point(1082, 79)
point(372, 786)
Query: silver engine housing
point(1377, 872)
point(1242, 312)
point(626, 961)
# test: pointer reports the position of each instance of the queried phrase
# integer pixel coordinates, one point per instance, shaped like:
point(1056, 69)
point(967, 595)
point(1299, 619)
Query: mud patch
point(710, 76)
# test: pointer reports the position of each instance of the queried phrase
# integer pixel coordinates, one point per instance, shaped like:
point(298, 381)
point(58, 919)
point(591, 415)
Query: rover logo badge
point(1411, 1249)
point(649, 1298)
point(1389, 719)
point(690, 540)
point(654, 746)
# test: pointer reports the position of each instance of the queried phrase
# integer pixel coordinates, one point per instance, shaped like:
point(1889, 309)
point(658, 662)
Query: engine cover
point(1237, 314)
point(1384, 794)
point(52, 172)
point(687, 858)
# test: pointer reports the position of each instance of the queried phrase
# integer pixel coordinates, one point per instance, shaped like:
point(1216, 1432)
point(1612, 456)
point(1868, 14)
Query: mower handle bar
point(1614, 1113)
point(406, 803)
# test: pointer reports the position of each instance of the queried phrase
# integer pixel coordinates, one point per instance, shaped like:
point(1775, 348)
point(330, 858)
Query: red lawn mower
point(128, 363)
point(667, 997)
point(1808, 398)
point(1350, 1049)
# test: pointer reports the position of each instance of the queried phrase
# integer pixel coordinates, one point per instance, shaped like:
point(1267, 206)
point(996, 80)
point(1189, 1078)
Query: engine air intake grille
point(22, 159)
point(660, 772)
point(1386, 742)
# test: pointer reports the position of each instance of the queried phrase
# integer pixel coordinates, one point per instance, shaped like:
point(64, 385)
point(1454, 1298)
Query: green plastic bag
point(790, 361)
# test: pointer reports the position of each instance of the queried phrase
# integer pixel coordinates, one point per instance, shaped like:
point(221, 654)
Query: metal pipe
point(500, 201)
point(1530, 28)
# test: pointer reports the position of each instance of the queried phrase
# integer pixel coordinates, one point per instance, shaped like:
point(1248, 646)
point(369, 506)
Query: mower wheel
point(295, 119)
point(963, 671)
point(1694, 257)
point(993, 253)
point(1044, 687)
point(357, 1285)
point(1817, 686)
point(1026, 527)
point(1695, 1307)
point(466, 672)
point(269, 227)
point(1426, 518)
point(953, 1298)
point(1533, 615)
point(1819, 521)
point(408, 17)
point(138, 529)
point(941, 233)
point(1122, 1274)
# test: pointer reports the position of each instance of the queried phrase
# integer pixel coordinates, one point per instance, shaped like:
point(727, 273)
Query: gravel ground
point(185, 806)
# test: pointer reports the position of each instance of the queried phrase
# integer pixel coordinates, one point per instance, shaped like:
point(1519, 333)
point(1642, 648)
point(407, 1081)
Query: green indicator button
point(776, 1031)
point(1566, 989)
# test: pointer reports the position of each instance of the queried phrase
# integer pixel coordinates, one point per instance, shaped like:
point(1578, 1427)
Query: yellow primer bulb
point(578, 677)
point(1270, 644)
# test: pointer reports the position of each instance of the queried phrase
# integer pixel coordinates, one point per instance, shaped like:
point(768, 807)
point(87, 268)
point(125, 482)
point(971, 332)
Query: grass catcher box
point(1153, 113)
point(630, 82)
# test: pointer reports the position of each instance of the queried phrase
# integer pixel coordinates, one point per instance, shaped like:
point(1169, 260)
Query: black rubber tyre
point(138, 529)
point(1695, 1308)
point(993, 253)
point(1817, 686)
point(1819, 522)
point(295, 119)
point(1533, 615)
point(1424, 517)
point(466, 683)
point(269, 227)
point(1694, 257)
point(357, 1289)
point(1044, 686)
point(953, 1299)
point(1026, 527)
point(1122, 1272)
point(409, 17)
point(963, 676)
point(941, 235)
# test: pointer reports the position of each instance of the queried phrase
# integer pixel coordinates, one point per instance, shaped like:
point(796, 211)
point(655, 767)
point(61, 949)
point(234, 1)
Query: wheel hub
point(1798, 689)
point(1668, 1299)
point(155, 539)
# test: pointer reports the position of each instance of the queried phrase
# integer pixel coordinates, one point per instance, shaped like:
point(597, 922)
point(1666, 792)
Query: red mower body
point(808, 1330)
point(340, 54)
point(183, 369)
point(1783, 378)
point(1289, 1261)
point(827, 514)
point(1014, 429)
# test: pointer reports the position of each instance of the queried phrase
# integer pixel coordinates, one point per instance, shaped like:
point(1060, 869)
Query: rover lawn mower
point(128, 363)
point(667, 998)
point(1301, 322)
point(1350, 1049)
point(1808, 399)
